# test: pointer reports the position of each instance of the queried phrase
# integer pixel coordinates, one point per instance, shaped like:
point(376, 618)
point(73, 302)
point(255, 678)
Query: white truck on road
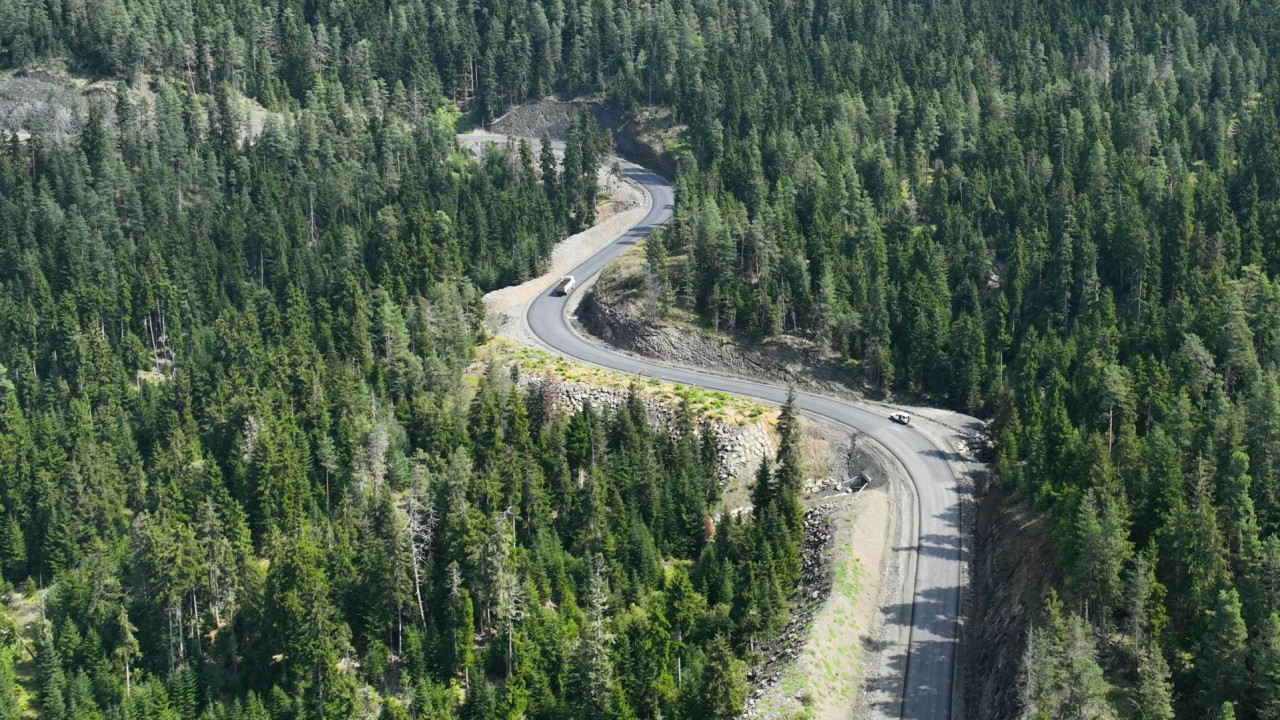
point(901, 418)
point(565, 286)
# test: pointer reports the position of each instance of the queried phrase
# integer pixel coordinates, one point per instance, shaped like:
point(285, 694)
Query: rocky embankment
point(642, 139)
point(627, 325)
point(741, 447)
point(815, 587)
point(1011, 574)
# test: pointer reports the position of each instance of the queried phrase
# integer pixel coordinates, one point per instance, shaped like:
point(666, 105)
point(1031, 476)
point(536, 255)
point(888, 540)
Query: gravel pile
point(548, 117)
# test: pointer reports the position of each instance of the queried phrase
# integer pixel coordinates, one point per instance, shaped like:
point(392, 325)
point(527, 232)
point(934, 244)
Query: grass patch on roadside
point(729, 410)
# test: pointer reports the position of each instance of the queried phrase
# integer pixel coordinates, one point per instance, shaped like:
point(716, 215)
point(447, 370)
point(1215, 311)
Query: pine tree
point(1221, 653)
point(1153, 693)
point(1145, 616)
point(1265, 669)
point(763, 492)
point(182, 693)
point(302, 615)
point(1102, 549)
point(393, 710)
point(461, 626)
point(13, 548)
point(592, 690)
point(49, 676)
point(788, 478)
point(723, 690)
point(1062, 675)
point(480, 703)
point(10, 704)
point(128, 650)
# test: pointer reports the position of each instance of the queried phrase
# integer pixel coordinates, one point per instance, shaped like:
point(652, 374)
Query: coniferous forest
point(242, 466)
point(239, 459)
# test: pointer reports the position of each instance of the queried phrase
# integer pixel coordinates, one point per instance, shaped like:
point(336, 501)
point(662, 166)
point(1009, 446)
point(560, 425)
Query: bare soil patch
point(49, 100)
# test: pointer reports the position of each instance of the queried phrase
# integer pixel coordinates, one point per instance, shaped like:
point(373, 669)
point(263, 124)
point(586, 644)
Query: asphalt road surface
point(931, 655)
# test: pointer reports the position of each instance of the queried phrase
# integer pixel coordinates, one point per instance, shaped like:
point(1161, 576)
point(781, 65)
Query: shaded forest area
point(1062, 215)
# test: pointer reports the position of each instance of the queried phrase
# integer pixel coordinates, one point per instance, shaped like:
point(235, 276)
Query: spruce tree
point(10, 705)
point(1222, 653)
point(50, 676)
point(1102, 549)
point(1264, 677)
point(788, 477)
point(723, 690)
point(1153, 693)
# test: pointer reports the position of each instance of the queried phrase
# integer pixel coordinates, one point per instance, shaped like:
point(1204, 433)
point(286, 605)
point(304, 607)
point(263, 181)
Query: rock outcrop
point(1012, 573)
point(741, 447)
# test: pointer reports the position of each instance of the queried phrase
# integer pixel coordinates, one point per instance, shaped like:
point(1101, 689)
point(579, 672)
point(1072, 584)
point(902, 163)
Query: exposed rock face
point(634, 138)
point(623, 323)
point(1012, 573)
point(741, 448)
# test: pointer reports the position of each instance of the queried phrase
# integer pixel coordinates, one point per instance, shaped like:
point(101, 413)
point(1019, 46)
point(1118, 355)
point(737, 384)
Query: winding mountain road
point(932, 616)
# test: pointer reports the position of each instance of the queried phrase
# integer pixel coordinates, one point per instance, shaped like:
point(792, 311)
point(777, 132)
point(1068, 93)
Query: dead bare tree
point(508, 590)
point(421, 529)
